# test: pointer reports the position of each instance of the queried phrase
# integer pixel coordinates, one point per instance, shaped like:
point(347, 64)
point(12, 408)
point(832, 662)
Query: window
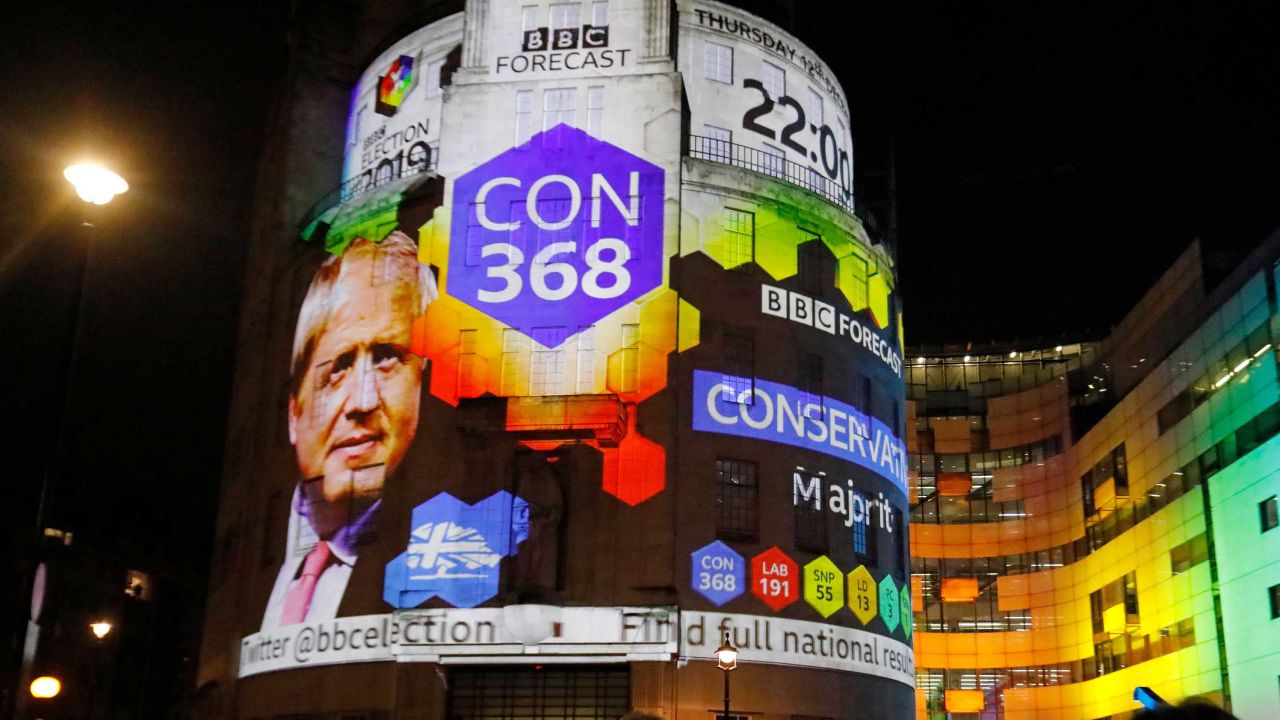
point(1179, 407)
point(774, 79)
point(565, 16)
point(528, 18)
point(1131, 597)
point(469, 364)
point(740, 363)
point(737, 500)
point(600, 692)
point(524, 116)
point(630, 356)
point(811, 526)
point(810, 385)
point(864, 542)
point(1189, 554)
point(546, 369)
point(815, 108)
point(599, 14)
point(595, 110)
point(1120, 470)
point(718, 144)
point(1086, 492)
point(559, 106)
point(740, 237)
point(1274, 594)
point(717, 63)
point(586, 380)
point(1267, 513)
point(816, 269)
point(433, 78)
point(515, 360)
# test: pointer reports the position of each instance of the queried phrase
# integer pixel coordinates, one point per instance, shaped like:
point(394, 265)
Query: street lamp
point(100, 629)
point(94, 183)
point(45, 687)
point(726, 660)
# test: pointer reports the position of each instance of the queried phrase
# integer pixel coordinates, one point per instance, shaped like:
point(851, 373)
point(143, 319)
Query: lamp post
point(95, 185)
point(726, 660)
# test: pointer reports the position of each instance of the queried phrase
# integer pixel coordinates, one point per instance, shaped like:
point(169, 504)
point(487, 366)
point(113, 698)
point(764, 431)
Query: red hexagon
point(775, 578)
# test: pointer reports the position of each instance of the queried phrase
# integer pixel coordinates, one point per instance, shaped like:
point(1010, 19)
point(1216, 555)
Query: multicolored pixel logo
point(394, 85)
point(556, 233)
point(455, 549)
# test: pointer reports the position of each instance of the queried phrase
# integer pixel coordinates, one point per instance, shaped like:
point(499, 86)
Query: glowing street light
point(726, 660)
point(100, 629)
point(45, 687)
point(94, 183)
point(727, 655)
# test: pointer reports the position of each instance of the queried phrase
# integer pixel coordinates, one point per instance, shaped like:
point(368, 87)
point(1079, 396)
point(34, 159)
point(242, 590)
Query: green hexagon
point(889, 608)
point(862, 594)
point(907, 614)
point(823, 588)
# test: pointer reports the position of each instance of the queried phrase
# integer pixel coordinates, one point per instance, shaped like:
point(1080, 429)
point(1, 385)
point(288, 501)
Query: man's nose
point(362, 395)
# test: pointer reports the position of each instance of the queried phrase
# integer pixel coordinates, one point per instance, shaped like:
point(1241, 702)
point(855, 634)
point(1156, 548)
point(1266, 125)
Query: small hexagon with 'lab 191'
point(558, 232)
point(775, 578)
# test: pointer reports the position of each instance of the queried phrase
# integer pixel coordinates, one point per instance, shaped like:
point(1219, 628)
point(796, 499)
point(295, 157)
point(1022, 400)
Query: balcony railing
point(767, 163)
point(421, 159)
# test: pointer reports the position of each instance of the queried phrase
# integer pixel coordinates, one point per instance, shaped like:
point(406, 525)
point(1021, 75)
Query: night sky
point(1052, 158)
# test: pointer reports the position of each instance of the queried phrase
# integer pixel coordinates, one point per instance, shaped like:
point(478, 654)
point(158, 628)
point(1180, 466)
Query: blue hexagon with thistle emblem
point(556, 233)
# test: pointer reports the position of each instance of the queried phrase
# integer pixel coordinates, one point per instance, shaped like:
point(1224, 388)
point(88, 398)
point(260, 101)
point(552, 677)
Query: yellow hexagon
point(862, 594)
point(822, 586)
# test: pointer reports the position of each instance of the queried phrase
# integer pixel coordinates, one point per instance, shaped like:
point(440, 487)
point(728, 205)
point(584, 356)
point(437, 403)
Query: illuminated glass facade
point(1088, 518)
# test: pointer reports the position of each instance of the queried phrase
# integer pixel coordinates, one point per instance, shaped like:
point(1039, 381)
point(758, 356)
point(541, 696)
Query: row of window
point(545, 364)
point(961, 595)
point(564, 16)
point(718, 66)
point(1249, 436)
point(980, 380)
point(983, 460)
point(1218, 374)
point(1121, 652)
point(559, 106)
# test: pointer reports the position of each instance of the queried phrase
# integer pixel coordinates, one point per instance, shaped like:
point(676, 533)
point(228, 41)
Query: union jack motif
point(448, 550)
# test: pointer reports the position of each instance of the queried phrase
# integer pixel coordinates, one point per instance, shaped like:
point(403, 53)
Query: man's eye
point(386, 356)
point(339, 367)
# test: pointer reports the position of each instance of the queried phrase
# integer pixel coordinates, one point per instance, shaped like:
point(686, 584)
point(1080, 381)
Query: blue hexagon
point(719, 573)
point(455, 549)
point(556, 233)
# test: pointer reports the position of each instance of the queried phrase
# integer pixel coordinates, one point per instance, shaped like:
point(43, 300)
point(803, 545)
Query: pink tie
point(298, 601)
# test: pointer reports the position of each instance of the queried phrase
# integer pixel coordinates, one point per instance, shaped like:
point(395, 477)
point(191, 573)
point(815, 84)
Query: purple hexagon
point(719, 572)
point(557, 233)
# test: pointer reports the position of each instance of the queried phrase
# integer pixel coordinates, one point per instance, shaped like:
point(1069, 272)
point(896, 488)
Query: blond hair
point(393, 260)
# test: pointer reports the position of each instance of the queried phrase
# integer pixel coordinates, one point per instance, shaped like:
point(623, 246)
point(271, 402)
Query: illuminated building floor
point(1075, 506)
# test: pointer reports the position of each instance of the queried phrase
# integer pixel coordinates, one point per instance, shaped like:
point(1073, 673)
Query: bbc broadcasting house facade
point(1090, 518)
point(587, 363)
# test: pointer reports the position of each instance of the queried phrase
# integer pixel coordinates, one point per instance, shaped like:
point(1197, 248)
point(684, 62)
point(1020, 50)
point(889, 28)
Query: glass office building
point(1089, 518)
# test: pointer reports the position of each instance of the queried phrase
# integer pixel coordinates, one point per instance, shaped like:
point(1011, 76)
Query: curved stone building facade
point(586, 365)
point(1092, 518)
